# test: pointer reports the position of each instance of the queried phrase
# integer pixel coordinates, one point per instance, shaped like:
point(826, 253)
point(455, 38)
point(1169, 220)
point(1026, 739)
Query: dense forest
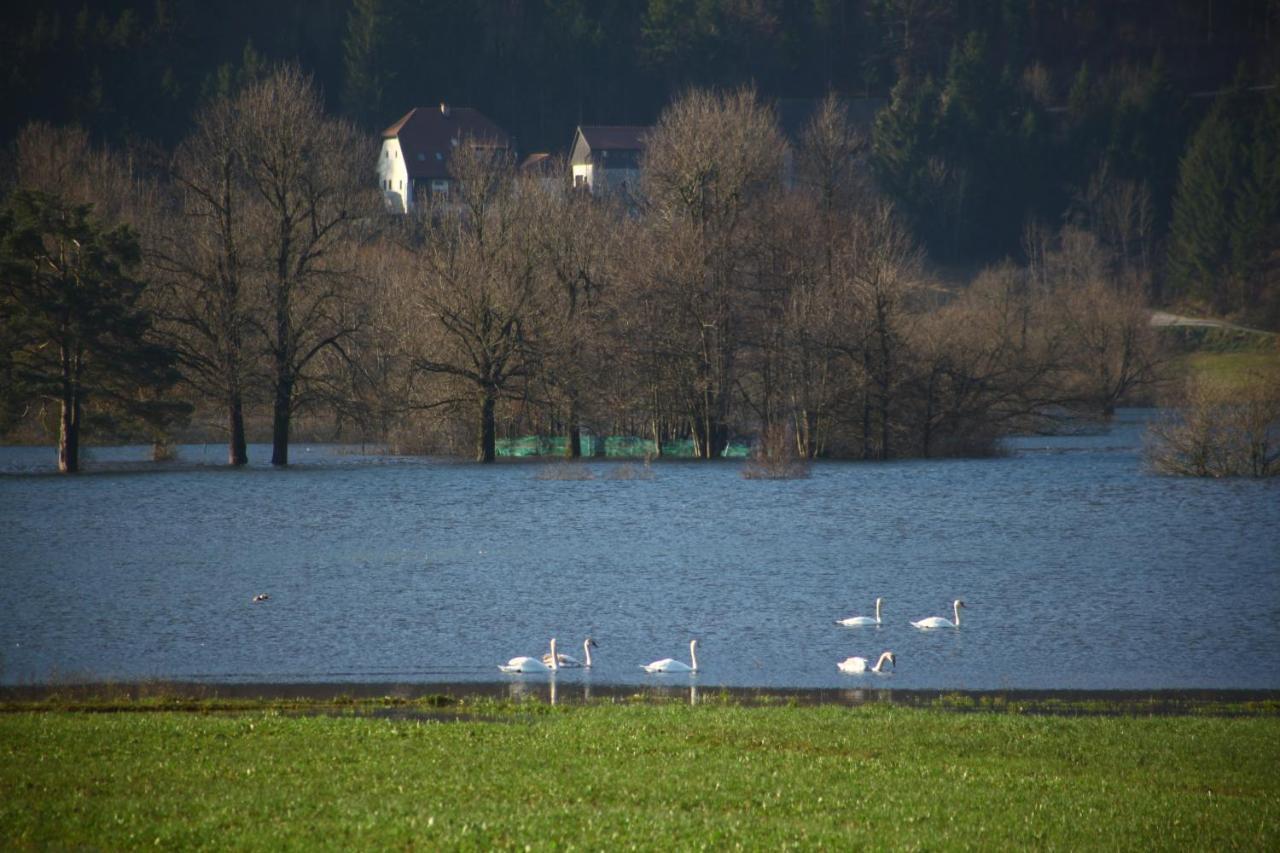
point(1039, 170)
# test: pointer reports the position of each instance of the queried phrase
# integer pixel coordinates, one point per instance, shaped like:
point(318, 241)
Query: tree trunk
point(573, 439)
point(69, 423)
point(280, 421)
point(866, 403)
point(237, 450)
point(486, 437)
point(69, 432)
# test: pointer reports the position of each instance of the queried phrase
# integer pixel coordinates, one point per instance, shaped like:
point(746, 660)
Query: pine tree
point(74, 331)
point(1257, 206)
point(1208, 179)
point(367, 67)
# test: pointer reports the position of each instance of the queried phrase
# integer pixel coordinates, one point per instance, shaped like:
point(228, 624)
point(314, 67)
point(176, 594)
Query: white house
point(414, 159)
point(606, 158)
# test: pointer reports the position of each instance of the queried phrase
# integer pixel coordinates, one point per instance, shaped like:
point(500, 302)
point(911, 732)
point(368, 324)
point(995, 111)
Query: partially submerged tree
point(471, 294)
point(200, 253)
point(72, 319)
point(305, 174)
point(575, 235)
point(1112, 349)
point(711, 162)
point(1220, 429)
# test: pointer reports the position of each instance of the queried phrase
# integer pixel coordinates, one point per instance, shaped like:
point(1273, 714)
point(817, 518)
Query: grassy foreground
point(652, 776)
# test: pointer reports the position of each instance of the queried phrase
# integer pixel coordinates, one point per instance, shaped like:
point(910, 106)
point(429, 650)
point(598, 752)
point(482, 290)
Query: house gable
point(607, 154)
point(424, 140)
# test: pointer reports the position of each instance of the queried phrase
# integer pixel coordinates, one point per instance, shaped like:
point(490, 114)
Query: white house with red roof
point(414, 160)
point(606, 158)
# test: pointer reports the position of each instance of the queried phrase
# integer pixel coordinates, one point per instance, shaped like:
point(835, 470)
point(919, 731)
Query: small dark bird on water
point(262, 596)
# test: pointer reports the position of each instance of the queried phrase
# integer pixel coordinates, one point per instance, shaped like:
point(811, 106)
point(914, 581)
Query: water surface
point(1079, 569)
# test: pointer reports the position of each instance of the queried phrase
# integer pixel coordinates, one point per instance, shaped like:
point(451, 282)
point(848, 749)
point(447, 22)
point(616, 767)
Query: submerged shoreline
point(154, 695)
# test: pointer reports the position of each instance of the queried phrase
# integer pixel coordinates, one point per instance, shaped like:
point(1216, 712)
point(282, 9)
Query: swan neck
point(555, 661)
point(693, 654)
point(586, 647)
point(955, 607)
point(877, 611)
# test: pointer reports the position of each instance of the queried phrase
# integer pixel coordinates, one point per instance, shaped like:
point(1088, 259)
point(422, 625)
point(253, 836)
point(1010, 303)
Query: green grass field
point(651, 776)
point(1232, 368)
point(1221, 355)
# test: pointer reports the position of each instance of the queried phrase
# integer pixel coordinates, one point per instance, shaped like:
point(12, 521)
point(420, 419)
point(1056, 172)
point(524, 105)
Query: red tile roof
point(428, 135)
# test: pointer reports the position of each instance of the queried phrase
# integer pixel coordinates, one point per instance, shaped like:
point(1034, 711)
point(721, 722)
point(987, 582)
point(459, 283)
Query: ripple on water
point(1080, 570)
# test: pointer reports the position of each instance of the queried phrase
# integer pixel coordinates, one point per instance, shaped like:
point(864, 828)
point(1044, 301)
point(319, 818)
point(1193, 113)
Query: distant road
point(1164, 318)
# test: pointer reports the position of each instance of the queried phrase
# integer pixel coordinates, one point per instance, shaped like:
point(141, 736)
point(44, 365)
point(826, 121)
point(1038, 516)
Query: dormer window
point(439, 156)
point(421, 156)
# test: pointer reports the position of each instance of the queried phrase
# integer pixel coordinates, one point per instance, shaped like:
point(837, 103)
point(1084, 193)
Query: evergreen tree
point(1203, 208)
point(1257, 209)
point(74, 330)
point(368, 71)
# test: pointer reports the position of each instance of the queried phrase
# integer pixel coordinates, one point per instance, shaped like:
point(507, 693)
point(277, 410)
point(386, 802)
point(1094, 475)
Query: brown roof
point(428, 135)
point(617, 137)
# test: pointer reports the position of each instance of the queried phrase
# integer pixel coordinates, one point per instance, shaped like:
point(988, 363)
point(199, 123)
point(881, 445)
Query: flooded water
point(1079, 570)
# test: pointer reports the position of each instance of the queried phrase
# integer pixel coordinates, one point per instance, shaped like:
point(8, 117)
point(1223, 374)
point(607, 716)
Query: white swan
point(857, 665)
point(940, 622)
point(673, 665)
point(854, 621)
point(569, 661)
point(528, 664)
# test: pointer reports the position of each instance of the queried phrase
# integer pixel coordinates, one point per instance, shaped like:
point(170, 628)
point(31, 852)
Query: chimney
point(444, 109)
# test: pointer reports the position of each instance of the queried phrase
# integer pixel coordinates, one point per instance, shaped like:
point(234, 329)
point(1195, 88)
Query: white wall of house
point(618, 179)
point(393, 177)
point(583, 174)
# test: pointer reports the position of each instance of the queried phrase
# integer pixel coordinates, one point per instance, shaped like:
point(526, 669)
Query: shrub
point(775, 457)
point(1220, 429)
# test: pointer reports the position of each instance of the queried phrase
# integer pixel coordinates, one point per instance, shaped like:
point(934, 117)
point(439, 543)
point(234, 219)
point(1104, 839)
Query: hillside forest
point(962, 235)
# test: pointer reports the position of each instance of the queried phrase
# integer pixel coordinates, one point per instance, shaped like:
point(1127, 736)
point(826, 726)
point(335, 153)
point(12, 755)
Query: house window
point(440, 187)
point(402, 186)
point(579, 180)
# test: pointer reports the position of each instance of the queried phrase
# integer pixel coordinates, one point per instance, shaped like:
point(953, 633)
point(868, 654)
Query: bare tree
point(575, 234)
point(305, 173)
point(1120, 214)
point(1113, 349)
point(199, 252)
point(880, 270)
point(1220, 430)
point(987, 362)
point(63, 162)
point(710, 161)
point(473, 294)
point(829, 161)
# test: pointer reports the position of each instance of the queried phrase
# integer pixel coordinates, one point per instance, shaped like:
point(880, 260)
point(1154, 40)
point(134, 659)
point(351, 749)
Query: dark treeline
point(978, 258)
point(996, 113)
point(141, 67)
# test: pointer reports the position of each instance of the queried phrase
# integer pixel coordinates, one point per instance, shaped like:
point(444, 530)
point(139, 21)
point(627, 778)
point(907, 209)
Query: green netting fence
point(615, 447)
